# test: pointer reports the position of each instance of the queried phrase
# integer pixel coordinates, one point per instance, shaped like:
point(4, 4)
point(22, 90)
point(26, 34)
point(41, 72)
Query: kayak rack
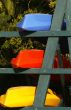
point(62, 10)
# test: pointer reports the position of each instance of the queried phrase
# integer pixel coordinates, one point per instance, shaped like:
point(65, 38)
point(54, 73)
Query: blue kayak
point(35, 22)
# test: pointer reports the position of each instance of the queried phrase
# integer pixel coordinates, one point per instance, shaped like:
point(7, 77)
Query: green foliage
point(9, 4)
point(1, 7)
point(11, 12)
point(52, 3)
point(4, 25)
point(30, 11)
point(3, 62)
point(17, 44)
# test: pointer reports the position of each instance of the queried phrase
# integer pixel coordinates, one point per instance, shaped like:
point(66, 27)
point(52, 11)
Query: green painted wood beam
point(53, 42)
point(48, 58)
point(46, 108)
point(67, 97)
point(9, 34)
point(36, 71)
point(37, 34)
point(49, 53)
point(68, 19)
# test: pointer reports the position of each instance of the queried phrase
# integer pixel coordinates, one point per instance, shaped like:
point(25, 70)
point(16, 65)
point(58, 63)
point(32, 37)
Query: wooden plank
point(62, 79)
point(36, 34)
point(47, 71)
point(65, 90)
point(9, 34)
point(52, 42)
point(42, 88)
point(66, 95)
point(68, 19)
point(46, 108)
point(50, 52)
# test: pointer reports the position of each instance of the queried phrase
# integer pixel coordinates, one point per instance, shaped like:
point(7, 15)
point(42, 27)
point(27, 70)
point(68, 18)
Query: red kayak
point(33, 58)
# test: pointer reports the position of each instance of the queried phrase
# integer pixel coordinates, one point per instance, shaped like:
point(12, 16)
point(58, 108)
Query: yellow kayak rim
point(23, 96)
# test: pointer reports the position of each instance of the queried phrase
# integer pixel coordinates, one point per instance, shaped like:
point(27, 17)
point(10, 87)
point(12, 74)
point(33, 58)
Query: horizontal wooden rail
point(50, 51)
point(36, 34)
point(35, 71)
point(47, 108)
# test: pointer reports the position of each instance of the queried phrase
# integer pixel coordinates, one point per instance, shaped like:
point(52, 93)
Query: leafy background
point(11, 12)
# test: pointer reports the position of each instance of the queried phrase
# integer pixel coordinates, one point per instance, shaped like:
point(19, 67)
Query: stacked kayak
point(23, 96)
point(35, 22)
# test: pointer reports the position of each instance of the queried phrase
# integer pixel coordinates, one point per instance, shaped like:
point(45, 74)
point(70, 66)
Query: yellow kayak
point(23, 96)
